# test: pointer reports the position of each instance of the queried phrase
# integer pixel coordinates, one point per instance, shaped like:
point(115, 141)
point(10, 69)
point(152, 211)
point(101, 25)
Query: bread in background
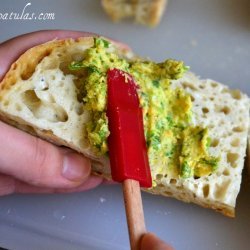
point(146, 12)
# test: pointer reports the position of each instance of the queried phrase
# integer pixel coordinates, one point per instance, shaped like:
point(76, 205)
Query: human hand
point(152, 242)
point(27, 163)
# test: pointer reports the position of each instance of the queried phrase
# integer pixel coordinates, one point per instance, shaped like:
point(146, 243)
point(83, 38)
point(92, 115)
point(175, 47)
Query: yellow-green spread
point(175, 147)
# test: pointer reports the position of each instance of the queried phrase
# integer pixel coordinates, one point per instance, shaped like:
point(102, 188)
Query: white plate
point(213, 37)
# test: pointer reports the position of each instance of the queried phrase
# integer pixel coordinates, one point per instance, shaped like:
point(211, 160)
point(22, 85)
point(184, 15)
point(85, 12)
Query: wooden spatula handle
point(134, 212)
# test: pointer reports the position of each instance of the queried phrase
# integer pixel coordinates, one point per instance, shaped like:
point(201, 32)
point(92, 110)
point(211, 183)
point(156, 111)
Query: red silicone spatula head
point(127, 145)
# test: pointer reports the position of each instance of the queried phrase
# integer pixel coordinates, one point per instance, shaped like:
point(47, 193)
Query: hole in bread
point(226, 172)
point(236, 94)
point(179, 187)
point(238, 129)
point(201, 86)
point(173, 181)
point(205, 190)
point(159, 177)
point(222, 122)
point(44, 110)
point(31, 97)
point(49, 133)
point(192, 98)
point(214, 143)
point(235, 142)
point(205, 110)
point(189, 86)
point(79, 109)
point(232, 159)
point(226, 110)
point(221, 190)
point(214, 84)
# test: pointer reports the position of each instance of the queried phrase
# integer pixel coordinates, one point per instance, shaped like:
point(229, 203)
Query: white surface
point(213, 37)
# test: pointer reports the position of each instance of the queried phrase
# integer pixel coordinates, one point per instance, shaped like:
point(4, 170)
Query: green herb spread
point(175, 147)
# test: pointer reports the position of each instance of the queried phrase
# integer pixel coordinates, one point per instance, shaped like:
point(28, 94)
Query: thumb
point(38, 162)
point(152, 242)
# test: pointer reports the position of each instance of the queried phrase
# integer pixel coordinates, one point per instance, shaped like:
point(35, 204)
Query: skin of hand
point(27, 163)
point(152, 242)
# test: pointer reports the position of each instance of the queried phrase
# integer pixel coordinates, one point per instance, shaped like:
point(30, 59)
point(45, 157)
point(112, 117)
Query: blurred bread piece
point(150, 12)
point(119, 9)
point(146, 12)
point(41, 96)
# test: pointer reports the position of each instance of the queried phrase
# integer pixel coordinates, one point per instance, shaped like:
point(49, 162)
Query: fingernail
point(75, 167)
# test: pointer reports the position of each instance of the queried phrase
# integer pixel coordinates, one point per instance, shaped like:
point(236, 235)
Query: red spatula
point(127, 149)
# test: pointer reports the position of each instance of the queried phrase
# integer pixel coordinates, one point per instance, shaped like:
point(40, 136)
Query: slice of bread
point(41, 96)
point(118, 10)
point(145, 12)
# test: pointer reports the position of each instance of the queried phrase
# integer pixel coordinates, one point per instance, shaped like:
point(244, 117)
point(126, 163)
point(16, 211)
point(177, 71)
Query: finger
point(9, 185)
point(24, 188)
point(13, 48)
point(90, 183)
point(110, 182)
point(152, 242)
point(38, 162)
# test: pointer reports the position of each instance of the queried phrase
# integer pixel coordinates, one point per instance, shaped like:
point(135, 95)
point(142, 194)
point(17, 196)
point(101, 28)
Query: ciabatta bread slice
point(41, 96)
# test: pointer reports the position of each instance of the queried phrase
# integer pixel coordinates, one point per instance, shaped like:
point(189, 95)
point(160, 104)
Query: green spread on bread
point(175, 145)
